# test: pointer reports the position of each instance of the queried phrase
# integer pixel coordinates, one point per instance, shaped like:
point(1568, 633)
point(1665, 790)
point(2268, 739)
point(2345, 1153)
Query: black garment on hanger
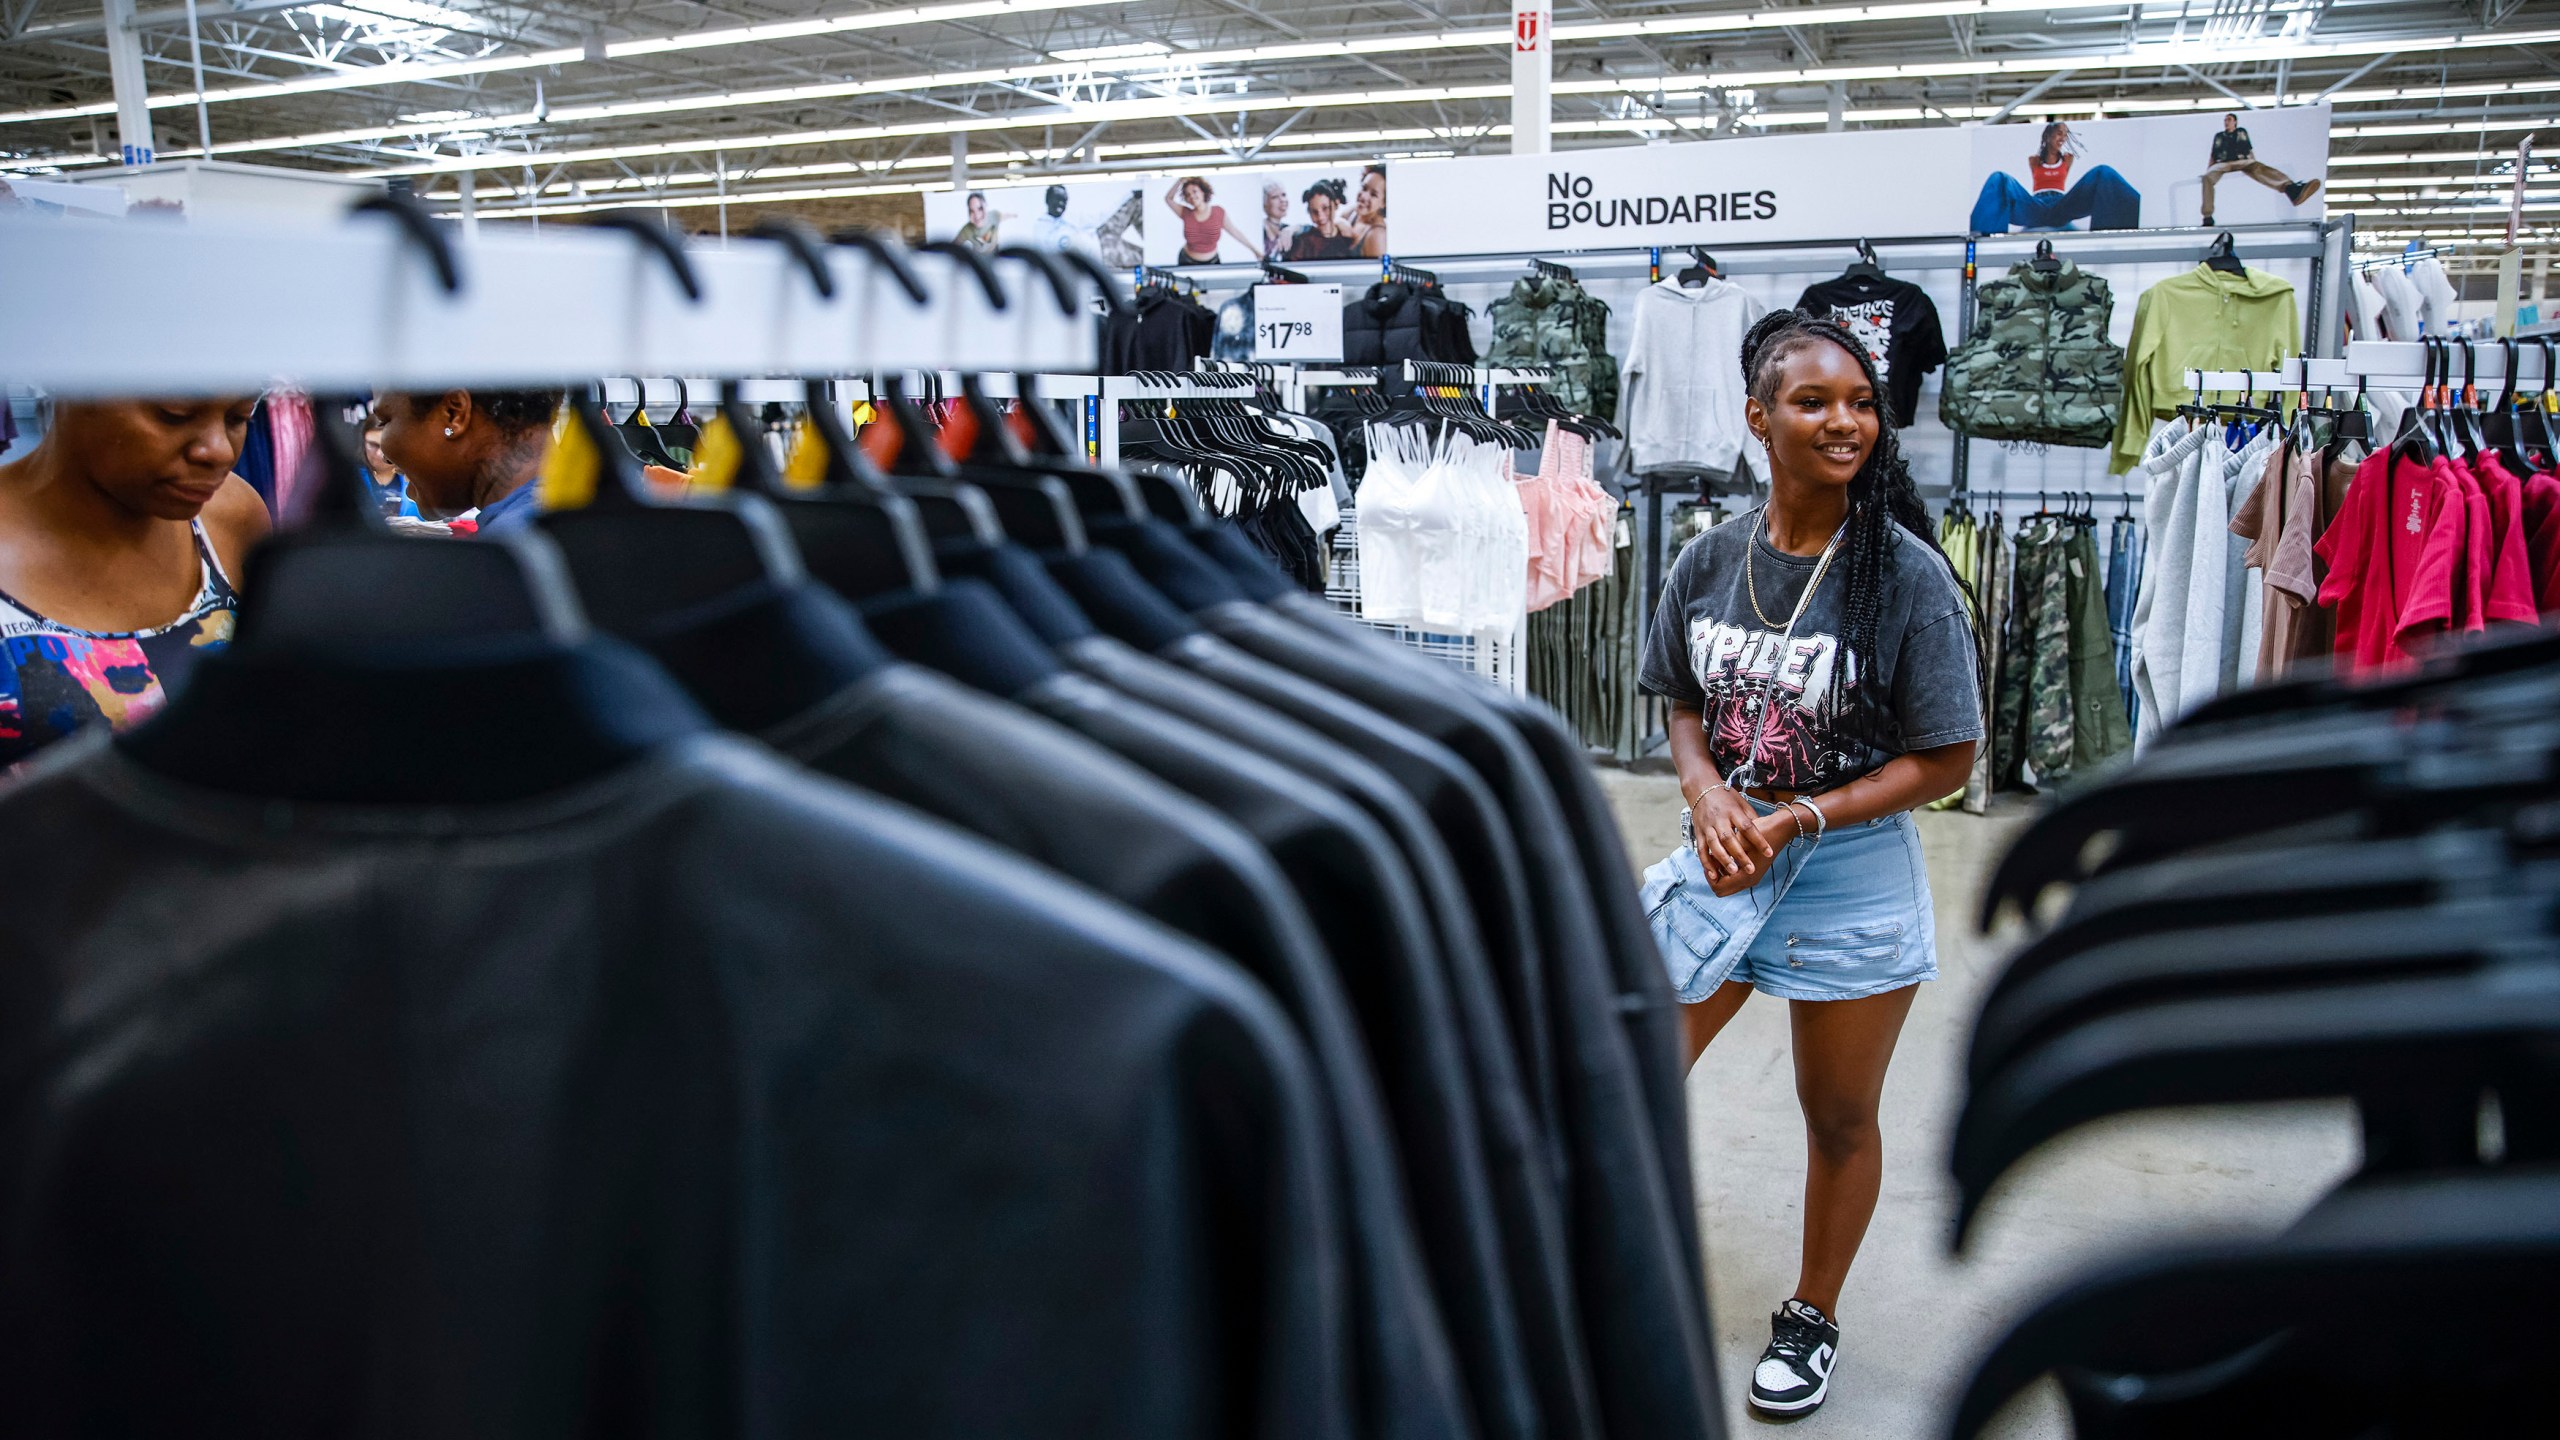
point(1895, 320)
point(607, 1051)
point(901, 731)
point(1644, 1000)
point(1162, 331)
point(1471, 832)
point(1384, 326)
point(264, 724)
point(1326, 852)
point(1566, 1020)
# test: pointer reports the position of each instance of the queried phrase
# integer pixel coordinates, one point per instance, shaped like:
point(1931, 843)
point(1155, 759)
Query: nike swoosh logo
point(1821, 1362)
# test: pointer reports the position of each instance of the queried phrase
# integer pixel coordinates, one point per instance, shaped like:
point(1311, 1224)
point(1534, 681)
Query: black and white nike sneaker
point(1794, 1373)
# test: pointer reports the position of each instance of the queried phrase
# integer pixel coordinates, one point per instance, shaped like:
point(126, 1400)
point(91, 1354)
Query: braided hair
point(1884, 509)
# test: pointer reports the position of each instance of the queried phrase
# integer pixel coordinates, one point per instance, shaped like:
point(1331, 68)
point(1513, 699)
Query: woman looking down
point(120, 533)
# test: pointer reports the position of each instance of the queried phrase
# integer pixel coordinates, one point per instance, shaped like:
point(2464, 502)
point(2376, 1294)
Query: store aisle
point(1915, 1317)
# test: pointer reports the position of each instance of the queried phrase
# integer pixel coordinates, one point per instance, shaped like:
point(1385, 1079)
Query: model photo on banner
point(1286, 217)
point(1103, 219)
point(2051, 199)
point(2232, 154)
point(2156, 171)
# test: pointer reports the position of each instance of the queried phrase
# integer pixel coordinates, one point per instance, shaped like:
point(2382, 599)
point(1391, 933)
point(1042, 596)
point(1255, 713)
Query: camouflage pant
point(2038, 718)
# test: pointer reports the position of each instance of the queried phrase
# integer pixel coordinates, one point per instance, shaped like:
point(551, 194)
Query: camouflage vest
point(1546, 321)
point(2039, 365)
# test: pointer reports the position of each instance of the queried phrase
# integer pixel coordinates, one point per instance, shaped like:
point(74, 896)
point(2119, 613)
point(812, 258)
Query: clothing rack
point(2384, 262)
point(2393, 364)
point(1103, 407)
point(1165, 277)
point(370, 305)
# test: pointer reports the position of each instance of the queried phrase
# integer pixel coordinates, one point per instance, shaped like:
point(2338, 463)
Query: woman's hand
point(1729, 840)
point(1771, 833)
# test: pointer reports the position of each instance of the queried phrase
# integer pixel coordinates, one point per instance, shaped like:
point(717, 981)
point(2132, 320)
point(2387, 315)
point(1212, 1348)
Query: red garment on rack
point(2390, 601)
point(2542, 537)
point(2510, 597)
point(2471, 583)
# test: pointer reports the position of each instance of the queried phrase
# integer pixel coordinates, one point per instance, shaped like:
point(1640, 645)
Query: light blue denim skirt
point(1839, 920)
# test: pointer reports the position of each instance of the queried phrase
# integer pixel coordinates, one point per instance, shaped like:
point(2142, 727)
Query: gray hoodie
point(1682, 403)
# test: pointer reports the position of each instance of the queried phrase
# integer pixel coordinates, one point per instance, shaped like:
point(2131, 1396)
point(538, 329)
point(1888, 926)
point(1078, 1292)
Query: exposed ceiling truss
point(563, 104)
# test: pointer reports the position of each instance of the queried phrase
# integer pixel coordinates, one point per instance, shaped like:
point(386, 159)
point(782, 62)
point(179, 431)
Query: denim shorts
point(1856, 919)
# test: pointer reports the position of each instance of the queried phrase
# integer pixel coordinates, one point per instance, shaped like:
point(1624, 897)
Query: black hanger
point(637, 435)
point(1705, 269)
point(2336, 1327)
point(636, 557)
point(2294, 949)
point(2465, 427)
point(2220, 255)
point(2535, 431)
point(924, 473)
point(2044, 262)
point(1866, 266)
point(855, 535)
point(1281, 274)
point(1553, 271)
point(889, 255)
point(2418, 440)
point(2311, 751)
point(2410, 1051)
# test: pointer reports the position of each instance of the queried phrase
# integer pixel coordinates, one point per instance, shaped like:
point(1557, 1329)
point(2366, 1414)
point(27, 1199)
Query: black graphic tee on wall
point(1709, 649)
point(1898, 323)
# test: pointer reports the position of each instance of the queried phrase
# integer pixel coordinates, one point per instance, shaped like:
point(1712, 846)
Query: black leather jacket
point(699, 1097)
point(1647, 1336)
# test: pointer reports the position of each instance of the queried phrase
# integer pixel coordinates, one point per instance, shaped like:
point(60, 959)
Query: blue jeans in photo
point(2102, 197)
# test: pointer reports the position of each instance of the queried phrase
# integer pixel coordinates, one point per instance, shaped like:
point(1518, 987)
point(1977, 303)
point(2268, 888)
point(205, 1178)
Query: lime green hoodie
point(2205, 319)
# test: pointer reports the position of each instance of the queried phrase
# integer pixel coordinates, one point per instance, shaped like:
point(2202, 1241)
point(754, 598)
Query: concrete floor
point(1914, 1318)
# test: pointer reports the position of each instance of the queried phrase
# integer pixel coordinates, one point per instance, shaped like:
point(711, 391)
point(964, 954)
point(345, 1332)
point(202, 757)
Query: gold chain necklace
point(1751, 586)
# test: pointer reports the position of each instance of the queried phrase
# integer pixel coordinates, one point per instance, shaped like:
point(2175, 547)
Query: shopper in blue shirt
point(472, 453)
point(390, 487)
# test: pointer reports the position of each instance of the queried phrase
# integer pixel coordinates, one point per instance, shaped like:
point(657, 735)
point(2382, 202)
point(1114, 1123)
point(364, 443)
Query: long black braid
point(1884, 508)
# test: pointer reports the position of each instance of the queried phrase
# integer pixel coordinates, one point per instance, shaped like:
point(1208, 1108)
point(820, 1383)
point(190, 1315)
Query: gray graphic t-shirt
point(1707, 648)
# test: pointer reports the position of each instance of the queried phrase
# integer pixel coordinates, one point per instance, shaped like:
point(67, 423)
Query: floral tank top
point(56, 678)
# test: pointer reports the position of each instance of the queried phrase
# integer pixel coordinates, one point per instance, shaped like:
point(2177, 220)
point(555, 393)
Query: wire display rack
point(1496, 657)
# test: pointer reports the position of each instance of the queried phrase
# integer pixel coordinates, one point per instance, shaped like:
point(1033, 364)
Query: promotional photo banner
point(2158, 171)
point(2248, 167)
point(1329, 212)
point(1105, 219)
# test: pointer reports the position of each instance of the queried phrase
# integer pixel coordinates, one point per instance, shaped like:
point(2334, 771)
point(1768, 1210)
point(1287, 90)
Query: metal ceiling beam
point(2030, 93)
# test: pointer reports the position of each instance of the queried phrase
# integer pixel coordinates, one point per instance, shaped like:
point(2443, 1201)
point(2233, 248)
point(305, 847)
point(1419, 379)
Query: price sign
point(1297, 322)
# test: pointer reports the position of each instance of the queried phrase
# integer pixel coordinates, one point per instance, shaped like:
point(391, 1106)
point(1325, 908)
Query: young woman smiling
point(1821, 676)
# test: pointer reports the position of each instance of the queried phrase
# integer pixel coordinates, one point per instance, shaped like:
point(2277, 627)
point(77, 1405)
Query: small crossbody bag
point(1702, 934)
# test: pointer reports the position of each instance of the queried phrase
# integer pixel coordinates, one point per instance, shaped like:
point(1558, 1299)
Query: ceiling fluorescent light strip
point(1487, 37)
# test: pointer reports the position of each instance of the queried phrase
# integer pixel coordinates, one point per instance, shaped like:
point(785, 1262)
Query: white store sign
point(1766, 188)
point(2130, 174)
point(1297, 322)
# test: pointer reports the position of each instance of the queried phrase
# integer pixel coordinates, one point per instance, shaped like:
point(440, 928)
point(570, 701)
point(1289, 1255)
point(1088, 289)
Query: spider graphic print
point(1744, 671)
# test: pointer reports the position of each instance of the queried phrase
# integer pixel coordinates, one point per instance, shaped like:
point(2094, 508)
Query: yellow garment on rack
point(569, 471)
point(716, 457)
point(2205, 319)
point(807, 467)
point(1957, 536)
